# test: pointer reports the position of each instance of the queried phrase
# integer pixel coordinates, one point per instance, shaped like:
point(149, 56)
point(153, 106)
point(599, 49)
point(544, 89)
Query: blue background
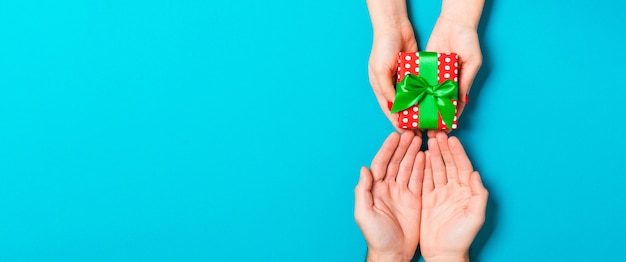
point(234, 130)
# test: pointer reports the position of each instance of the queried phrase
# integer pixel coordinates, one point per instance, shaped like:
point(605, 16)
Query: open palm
point(388, 198)
point(453, 200)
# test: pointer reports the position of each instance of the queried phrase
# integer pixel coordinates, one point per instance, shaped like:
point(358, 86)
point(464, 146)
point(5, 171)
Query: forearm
point(387, 13)
point(465, 12)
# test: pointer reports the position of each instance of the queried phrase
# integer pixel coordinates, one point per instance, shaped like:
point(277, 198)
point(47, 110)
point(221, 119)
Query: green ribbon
point(433, 98)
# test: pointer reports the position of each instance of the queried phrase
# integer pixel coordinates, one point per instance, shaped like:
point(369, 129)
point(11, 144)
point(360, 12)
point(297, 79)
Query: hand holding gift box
point(427, 90)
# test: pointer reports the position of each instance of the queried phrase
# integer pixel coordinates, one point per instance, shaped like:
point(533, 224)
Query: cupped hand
point(453, 201)
point(450, 35)
point(389, 40)
point(388, 199)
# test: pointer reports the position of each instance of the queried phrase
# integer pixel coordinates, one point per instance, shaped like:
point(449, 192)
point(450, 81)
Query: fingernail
point(389, 105)
point(467, 98)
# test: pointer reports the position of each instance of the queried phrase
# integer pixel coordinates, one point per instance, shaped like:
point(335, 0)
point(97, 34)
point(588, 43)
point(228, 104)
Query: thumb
point(363, 199)
point(384, 82)
point(478, 205)
point(468, 72)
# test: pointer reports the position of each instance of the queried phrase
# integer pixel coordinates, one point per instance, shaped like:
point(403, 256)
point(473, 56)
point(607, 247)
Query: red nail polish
point(389, 105)
point(466, 99)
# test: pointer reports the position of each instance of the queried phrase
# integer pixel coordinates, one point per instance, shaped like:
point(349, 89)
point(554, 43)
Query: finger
point(436, 161)
point(469, 69)
point(428, 185)
point(387, 88)
point(363, 199)
point(432, 133)
point(417, 174)
point(383, 103)
point(448, 158)
point(460, 109)
point(478, 204)
point(433, 46)
point(406, 165)
point(383, 78)
point(411, 45)
point(381, 160)
point(398, 155)
point(464, 165)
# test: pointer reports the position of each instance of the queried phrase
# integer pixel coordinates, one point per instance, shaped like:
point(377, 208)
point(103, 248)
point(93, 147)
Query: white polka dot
point(447, 53)
point(447, 67)
point(454, 102)
point(453, 126)
point(456, 64)
point(446, 75)
point(456, 79)
point(415, 108)
point(447, 60)
point(455, 118)
point(438, 78)
point(456, 71)
point(407, 65)
point(405, 112)
point(414, 116)
point(438, 62)
point(438, 55)
point(417, 61)
point(405, 120)
point(407, 58)
point(417, 69)
point(414, 124)
point(407, 72)
point(398, 68)
point(405, 127)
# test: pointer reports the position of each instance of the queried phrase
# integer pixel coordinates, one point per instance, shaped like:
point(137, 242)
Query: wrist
point(462, 12)
point(392, 30)
point(462, 258)
point(386, 257)
point(455, 20)
point(386, 14)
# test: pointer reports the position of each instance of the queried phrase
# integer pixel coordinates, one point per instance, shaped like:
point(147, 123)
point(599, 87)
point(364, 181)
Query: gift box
point(427, 90)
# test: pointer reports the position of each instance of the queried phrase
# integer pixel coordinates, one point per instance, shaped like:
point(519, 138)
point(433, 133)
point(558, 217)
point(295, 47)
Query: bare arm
point(464, 12)
point(455, 31)
point(392, 33)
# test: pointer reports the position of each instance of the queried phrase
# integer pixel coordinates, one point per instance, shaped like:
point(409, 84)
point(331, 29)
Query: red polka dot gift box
point(427, 90)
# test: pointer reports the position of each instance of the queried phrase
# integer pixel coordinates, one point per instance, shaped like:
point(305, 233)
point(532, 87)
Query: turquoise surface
point(234, 130)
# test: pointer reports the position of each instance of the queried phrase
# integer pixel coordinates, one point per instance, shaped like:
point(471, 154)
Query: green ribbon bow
point(433, 99)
